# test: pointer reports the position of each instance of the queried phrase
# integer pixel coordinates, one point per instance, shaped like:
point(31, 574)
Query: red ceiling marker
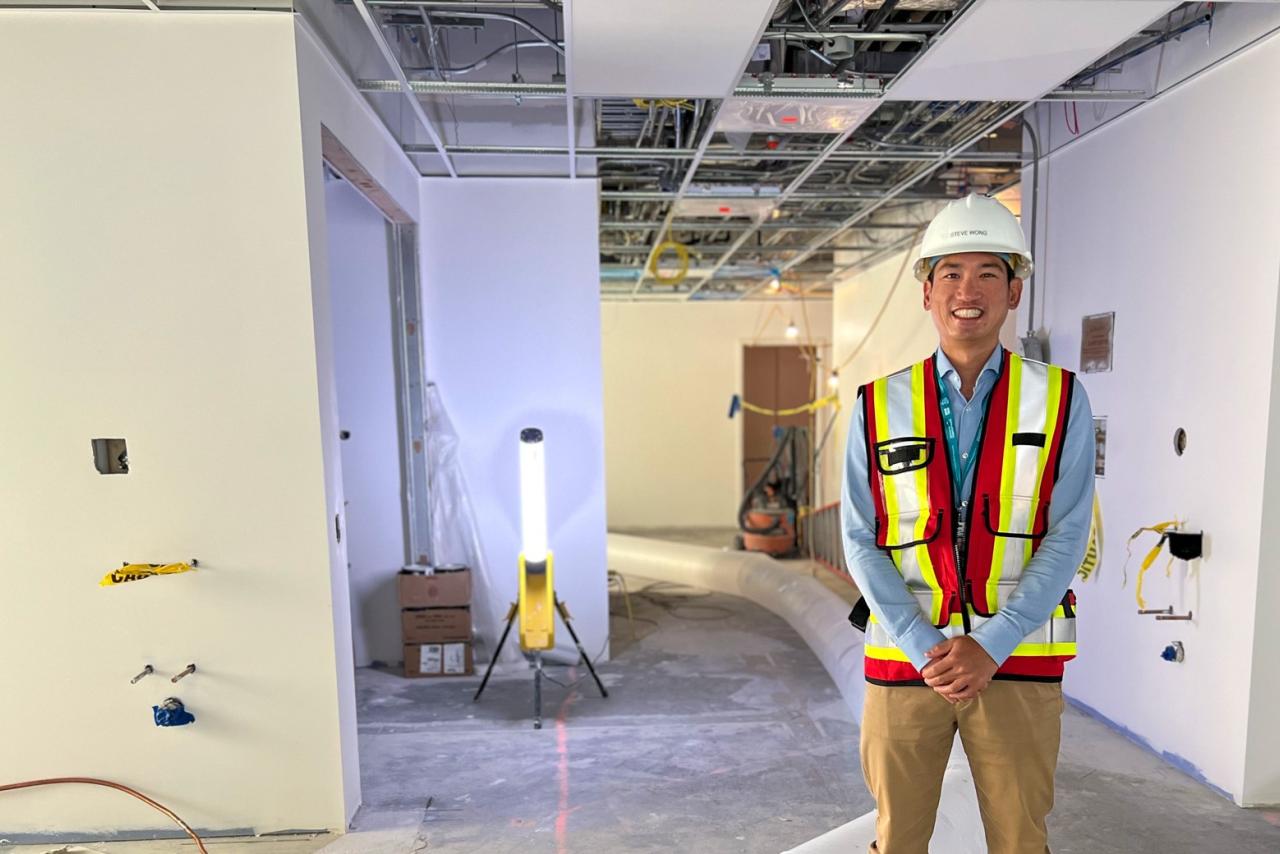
point(790, 120)
point(725, 209)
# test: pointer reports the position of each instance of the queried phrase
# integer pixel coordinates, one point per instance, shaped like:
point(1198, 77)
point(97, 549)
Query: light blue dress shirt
point(1045, 578)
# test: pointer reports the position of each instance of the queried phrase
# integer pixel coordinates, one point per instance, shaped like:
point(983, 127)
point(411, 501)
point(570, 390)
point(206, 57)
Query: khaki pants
point(1010, 733)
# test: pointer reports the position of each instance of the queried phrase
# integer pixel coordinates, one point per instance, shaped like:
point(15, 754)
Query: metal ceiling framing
point(384, 48)
point(692, 168)
point(812, 193)
point(781, 199)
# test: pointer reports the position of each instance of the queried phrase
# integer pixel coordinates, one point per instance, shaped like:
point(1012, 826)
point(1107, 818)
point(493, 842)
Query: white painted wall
point(674, 457)
point(364, 363)
point(1183, 248)
point(157, 287)
point(879, 321)
point(511, 310)
point(327, 97)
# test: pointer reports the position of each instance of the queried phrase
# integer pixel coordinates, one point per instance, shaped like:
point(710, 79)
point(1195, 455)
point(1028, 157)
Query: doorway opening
point(375, 307)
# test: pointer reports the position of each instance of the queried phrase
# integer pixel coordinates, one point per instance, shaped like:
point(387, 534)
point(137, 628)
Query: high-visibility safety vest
point(961, 579)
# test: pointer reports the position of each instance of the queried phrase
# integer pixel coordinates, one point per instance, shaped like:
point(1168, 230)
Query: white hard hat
point(974, 224)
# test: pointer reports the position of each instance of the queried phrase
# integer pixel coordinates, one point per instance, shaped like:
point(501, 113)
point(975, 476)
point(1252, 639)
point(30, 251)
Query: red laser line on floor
point(562, 768)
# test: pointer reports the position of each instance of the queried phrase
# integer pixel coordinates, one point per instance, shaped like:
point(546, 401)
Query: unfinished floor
point(722, 733)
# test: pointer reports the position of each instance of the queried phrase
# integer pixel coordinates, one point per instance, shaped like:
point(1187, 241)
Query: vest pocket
point(1028, 518)
point(903, 530)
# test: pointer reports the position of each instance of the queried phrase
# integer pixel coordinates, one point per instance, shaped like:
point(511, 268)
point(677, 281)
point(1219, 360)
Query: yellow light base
point(537, 607)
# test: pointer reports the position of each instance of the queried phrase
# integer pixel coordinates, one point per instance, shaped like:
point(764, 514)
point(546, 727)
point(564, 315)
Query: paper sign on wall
point(1097, 334)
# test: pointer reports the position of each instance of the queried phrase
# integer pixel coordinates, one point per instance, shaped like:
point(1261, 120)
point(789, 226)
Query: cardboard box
point(437, 659)
point(447, 587)
point(435, 625)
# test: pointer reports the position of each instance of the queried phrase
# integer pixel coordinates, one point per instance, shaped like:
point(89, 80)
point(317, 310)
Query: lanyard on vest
point(960, 467)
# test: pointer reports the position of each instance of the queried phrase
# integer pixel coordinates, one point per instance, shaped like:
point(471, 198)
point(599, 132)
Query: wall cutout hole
point(1179, 441)
point(110, 456)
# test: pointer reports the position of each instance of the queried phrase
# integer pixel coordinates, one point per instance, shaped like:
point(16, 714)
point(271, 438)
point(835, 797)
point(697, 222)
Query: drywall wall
point(327, 99)
point(364, 366)
point(674, 457)
point(1190, 269)
point(157, 288)
point(878, 326)
point(511, 310)
point(1262, 744)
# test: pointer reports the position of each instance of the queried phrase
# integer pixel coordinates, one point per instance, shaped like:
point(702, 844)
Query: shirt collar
point(948, 372)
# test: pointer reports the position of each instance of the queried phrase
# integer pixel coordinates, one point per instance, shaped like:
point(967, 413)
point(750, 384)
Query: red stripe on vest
point(1037, 667)
point(890, 671)
point(942, 550)
point(874, 478)
point(986, 481)
point(1042, 666)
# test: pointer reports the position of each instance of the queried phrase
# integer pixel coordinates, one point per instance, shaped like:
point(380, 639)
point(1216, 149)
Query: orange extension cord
point(92, 781)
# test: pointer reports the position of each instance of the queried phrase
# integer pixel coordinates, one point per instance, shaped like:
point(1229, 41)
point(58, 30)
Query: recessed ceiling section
point(663, 48)
point(1017, 50)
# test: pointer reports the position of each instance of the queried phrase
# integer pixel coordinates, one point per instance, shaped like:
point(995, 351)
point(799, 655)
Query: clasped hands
point(959, 669)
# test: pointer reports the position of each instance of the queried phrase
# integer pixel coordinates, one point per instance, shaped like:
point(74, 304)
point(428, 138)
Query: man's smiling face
point(969, 296)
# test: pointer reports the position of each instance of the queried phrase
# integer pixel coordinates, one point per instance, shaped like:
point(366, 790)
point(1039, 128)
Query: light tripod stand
point(537, 604)
point(537, 660)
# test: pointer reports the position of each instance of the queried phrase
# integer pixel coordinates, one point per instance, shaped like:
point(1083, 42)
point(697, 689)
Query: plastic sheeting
point(820, 617)
point(455, 538)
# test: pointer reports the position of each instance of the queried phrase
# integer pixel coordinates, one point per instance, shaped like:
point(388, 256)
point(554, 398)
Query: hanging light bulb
point(775, 280)
point(833, 381)
point(793, 331)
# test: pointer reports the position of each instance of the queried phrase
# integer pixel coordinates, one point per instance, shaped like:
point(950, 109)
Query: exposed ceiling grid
point(759, 135)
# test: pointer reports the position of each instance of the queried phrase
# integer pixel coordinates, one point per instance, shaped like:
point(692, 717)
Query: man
point(968, 493)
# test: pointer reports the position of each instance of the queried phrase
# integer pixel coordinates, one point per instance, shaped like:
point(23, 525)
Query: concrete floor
point(721, 733)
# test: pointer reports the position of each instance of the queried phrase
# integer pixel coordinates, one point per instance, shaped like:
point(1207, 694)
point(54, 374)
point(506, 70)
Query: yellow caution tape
point(1158, 528)
point(1093, 554)
point(138, 571)
point(813, 406)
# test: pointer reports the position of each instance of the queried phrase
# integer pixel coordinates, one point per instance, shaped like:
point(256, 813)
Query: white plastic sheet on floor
point(820, 617)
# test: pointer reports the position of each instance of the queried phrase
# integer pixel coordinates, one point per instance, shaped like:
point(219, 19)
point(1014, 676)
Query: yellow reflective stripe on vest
point(1049, 416)
point(899, 412)
point(999, 549)
point(1055, 637)
point(1035, 397)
